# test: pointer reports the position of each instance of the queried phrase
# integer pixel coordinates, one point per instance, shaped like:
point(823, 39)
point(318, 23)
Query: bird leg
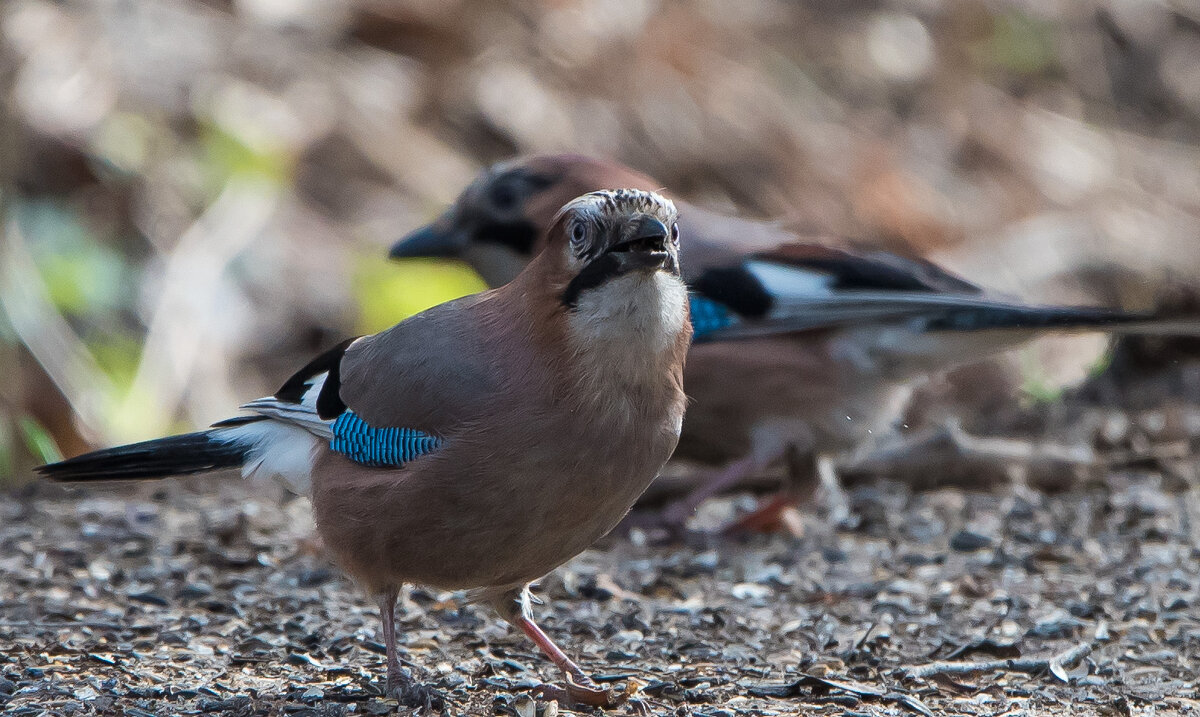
point(401, 685)
point(580, 688)
point(834, 494)
point(676, 514)
point(770, 514)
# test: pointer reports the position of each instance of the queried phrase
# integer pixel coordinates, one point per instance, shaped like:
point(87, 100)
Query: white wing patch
point(314, 389)
point(805, 298)
point(790, 282)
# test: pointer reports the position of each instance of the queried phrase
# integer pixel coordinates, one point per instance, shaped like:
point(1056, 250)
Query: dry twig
point(1056, 664)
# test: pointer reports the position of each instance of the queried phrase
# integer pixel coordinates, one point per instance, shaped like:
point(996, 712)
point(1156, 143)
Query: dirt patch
point(206, 597)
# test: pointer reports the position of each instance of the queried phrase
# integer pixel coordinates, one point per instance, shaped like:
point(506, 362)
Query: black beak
point(437, 239)
point(648, 235)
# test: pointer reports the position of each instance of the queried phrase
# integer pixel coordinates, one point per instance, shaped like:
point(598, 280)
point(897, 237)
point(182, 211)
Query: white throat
point(637, 315)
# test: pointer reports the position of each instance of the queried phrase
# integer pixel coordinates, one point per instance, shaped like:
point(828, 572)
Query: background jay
point(801, 349)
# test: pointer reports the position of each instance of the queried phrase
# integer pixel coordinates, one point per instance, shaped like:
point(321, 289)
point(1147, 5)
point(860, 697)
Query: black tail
point(983, 318)
point(175, 455)
point(1064, 318)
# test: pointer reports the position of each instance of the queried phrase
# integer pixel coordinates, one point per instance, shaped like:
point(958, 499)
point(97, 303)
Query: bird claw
point(778, 513)
point(417, 696)
point(582, 691)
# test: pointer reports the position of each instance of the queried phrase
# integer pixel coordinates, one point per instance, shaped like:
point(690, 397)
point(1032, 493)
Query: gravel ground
point(211, 597)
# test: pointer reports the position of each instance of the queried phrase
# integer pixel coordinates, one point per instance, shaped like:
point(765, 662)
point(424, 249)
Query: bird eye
point(578, 233)
point(675, 233)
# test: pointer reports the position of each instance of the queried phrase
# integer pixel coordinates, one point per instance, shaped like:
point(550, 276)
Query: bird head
point(611, 259)
point(608, 234)
point(498, 224)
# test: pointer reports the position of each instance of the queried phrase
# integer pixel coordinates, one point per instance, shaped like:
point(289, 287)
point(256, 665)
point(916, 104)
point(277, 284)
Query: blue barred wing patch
point(370, 446)
point(708, 316)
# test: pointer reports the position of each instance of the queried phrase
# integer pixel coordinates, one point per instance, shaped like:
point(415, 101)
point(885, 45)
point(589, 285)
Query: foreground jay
point(801, 349)
point(484, 442)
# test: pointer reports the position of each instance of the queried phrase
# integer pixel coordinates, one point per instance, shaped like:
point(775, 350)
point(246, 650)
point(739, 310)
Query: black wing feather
point(329, 401)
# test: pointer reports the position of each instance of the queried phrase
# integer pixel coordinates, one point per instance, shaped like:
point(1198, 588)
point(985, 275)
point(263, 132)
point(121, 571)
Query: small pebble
point(381, 707)
point(149, 599)
point(192, 591)
point(965, 541)
point(704, 563)
point(750, 591)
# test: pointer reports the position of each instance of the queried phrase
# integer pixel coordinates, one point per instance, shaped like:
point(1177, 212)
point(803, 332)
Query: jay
point(801, 350)
point(482, 443)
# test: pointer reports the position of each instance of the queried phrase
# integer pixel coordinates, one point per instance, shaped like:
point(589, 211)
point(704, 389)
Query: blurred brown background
point(197, 195)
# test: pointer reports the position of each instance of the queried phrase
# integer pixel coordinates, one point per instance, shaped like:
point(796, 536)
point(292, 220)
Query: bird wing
point(801, 287)
point(302, 400)
point(388, 398)
point(431, 372)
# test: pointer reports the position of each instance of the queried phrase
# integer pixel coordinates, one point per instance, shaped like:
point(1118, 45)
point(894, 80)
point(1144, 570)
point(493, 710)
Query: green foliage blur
point(195, 197)
point(386, 293)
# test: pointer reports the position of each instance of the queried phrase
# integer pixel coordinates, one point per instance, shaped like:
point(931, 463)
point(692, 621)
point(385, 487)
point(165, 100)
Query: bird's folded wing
point(431, 372)
point(386, 399)
point(803, 287)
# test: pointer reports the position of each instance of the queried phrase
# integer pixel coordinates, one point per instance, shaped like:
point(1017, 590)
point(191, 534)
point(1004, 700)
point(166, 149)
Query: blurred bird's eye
point(578, 233)
point(504, 197)
point(674, 233)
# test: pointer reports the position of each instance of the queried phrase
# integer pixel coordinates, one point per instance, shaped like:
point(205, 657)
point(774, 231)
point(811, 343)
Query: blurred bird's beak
point(441, 238)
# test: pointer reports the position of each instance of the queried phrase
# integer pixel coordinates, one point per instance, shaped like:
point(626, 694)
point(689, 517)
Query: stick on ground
point(1055, 664)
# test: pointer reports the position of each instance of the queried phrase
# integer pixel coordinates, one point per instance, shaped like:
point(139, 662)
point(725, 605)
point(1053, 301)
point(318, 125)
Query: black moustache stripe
point(606, 266)
point(598, 271)
point(520, 235)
